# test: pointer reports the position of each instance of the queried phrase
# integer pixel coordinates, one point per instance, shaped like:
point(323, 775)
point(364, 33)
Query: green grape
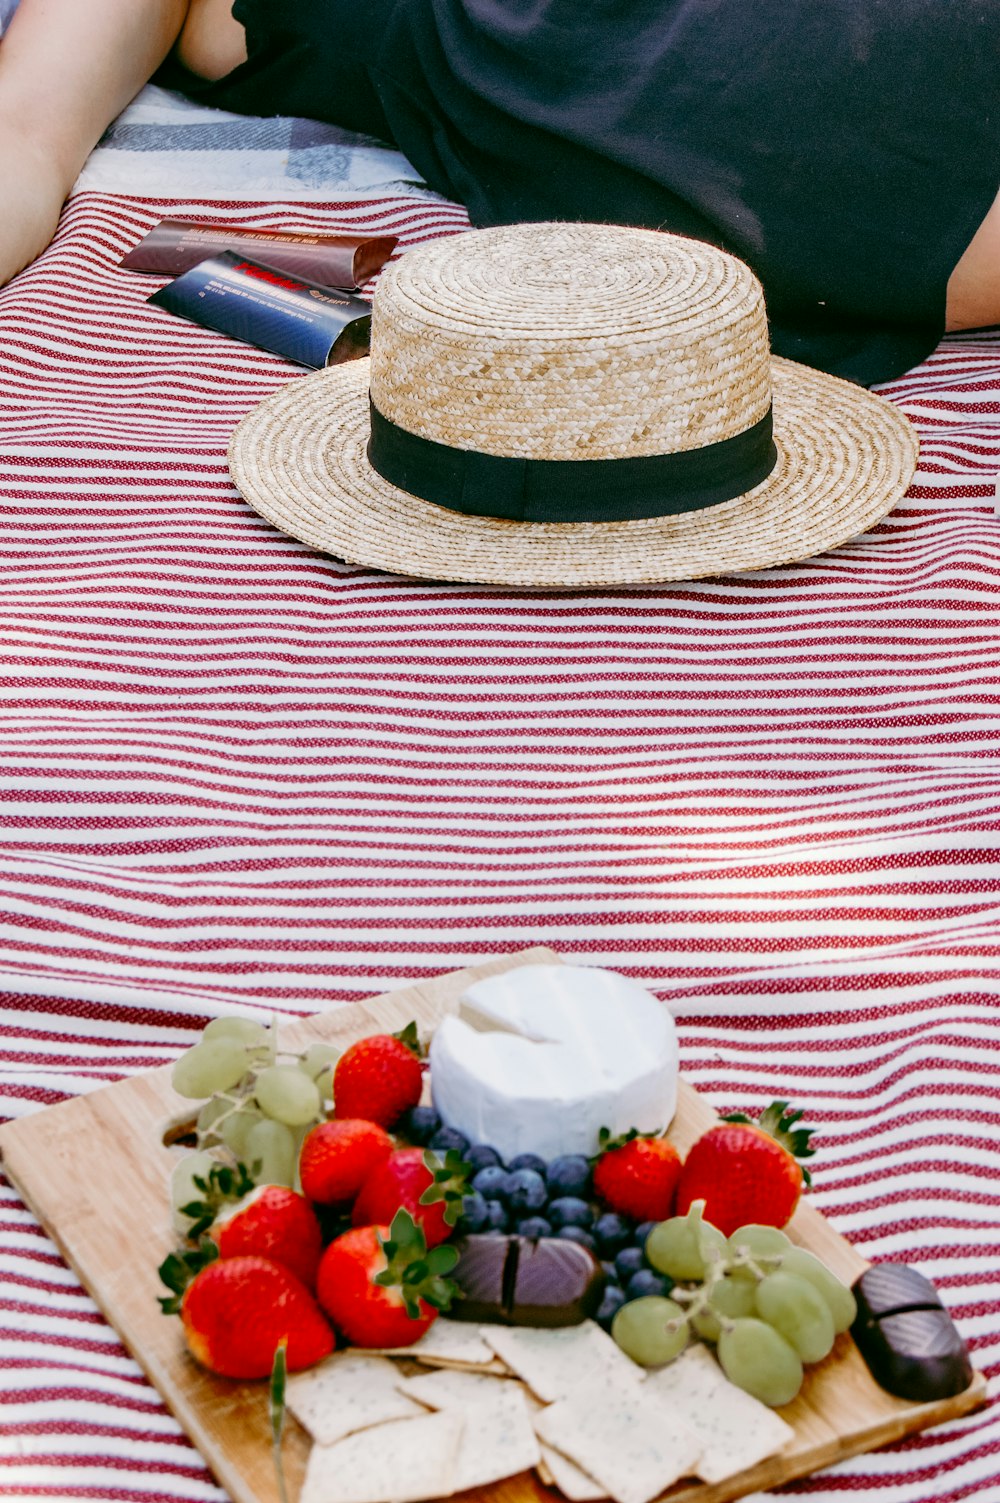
point(841, 1302)
point(761, 1242)
point(244, 1030)
point(271, 1146)
point(731, 1298)
point(214, 1108)
point(651, 1330)
point(754, 1357)
point(286, 1093)
point(318, 1062)
point(683, 1246)
point(213, 1065)
point(183, 1189)
point(237, 1128)
point(798, 1312)
point(318, 1057)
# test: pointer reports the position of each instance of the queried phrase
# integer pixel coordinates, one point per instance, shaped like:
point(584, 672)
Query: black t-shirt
point(847, 149)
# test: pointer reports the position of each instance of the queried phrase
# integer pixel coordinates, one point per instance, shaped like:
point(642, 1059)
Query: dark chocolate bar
point(313, 325)
point(888, 1288)
point(175, 245)
point(515, 1281)
point(909, 1341)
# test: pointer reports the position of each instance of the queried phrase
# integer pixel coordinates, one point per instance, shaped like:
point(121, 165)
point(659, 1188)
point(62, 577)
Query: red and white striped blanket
point(237, 773)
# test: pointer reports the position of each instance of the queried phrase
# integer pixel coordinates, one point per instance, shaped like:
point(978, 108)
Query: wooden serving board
point(94, 1171)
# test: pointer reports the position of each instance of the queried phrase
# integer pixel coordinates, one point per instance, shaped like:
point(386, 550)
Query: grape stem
point(697, 1299)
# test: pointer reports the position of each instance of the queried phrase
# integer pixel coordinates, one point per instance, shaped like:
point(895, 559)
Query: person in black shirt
point(848, 150)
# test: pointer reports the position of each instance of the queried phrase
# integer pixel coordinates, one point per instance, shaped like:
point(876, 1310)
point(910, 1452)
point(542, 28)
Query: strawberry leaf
point(450, 1183)
point(411, 1039)
point(608, 1142)
point(276, 1413)
point(412, 1270)
point(178, 1269)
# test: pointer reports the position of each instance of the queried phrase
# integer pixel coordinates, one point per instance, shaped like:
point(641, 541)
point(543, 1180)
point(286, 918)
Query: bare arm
point(67, 68)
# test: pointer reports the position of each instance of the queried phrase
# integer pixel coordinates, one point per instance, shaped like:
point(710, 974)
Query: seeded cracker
point(450, 1387)
point(735, 1429)
point(498, 1440)
point(553, 1362)
point(346, 1393)
point(622, 1439)
point(452, 1343)
point(568, 1478)
point(405, 1461)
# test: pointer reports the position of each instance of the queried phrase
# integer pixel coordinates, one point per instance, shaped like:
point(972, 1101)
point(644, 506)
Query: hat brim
point(845, 457)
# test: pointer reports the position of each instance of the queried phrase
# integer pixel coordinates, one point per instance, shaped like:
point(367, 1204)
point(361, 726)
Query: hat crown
point(570, 341)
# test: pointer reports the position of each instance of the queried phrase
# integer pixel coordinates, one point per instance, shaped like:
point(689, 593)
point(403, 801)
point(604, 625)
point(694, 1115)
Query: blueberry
point(534, 1227)
point(610, 1272)
point(611, 1233)
point(525, 1190)
point(449, 1137)
point(628, 1262)
point(528, 1161)
point(646, 1281)
point(481, 1156)
point(419, 1125)
point(474, 1215)
point(569, 1210)
point(612, 1302)
point(576, 1234)
point(569, 1175)
point(642, 1231)
point(496, 1216)
point(491, 1182)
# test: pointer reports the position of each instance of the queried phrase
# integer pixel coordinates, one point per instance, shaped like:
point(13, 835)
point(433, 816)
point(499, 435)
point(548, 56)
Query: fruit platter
point(477, 1238)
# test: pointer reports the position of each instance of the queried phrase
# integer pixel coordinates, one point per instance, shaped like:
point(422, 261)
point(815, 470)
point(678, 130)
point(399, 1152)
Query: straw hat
point(567, 405)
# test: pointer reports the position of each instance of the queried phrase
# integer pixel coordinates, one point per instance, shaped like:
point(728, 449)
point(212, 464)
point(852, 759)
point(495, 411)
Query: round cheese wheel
point(539, 1059)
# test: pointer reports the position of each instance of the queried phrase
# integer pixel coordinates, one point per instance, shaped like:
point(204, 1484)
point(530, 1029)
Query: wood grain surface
point(95, 1172)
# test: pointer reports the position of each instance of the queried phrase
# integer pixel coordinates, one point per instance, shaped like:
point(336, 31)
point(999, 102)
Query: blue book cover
point(307, 323)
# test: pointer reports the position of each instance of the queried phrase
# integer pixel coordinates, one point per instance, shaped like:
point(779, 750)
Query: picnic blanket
point(241, 775)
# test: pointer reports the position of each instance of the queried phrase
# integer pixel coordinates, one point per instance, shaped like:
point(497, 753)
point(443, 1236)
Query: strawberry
point(417, 1180)
point(637, 1175)
point(337, 1157)
point(379, 1078)
point(272, 1222)
point(381, 1287)
point(236, 1311)
point(747, 1171)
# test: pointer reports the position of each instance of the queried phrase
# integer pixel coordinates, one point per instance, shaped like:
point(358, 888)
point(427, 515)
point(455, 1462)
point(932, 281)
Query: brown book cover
point(175, 245)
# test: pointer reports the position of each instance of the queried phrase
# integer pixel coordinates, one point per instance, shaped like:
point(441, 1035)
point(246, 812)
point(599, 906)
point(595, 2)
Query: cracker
point(498, 1440)
point(348, 1392)
point(405, 1461)
point(553, 1362)
point(568, 1478)
point(448, 1387)
point(736, 1430)
point(448, 1342)
point(621, 1438)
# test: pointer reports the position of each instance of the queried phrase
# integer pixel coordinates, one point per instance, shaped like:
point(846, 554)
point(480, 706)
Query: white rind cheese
point(539, 1059)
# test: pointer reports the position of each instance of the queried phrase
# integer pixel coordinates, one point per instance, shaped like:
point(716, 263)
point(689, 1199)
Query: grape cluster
point(535, 1198)
point(258, 1102)
point(768, 1305)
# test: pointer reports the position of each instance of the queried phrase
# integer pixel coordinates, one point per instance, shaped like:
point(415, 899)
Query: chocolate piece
point(908, 1340)
point(518, 1282)
point(175, 245)
point(888, 1288)
point(917, 1355)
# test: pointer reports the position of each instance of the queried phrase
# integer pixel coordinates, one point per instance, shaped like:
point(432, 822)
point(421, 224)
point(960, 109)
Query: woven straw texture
point(569, 342)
